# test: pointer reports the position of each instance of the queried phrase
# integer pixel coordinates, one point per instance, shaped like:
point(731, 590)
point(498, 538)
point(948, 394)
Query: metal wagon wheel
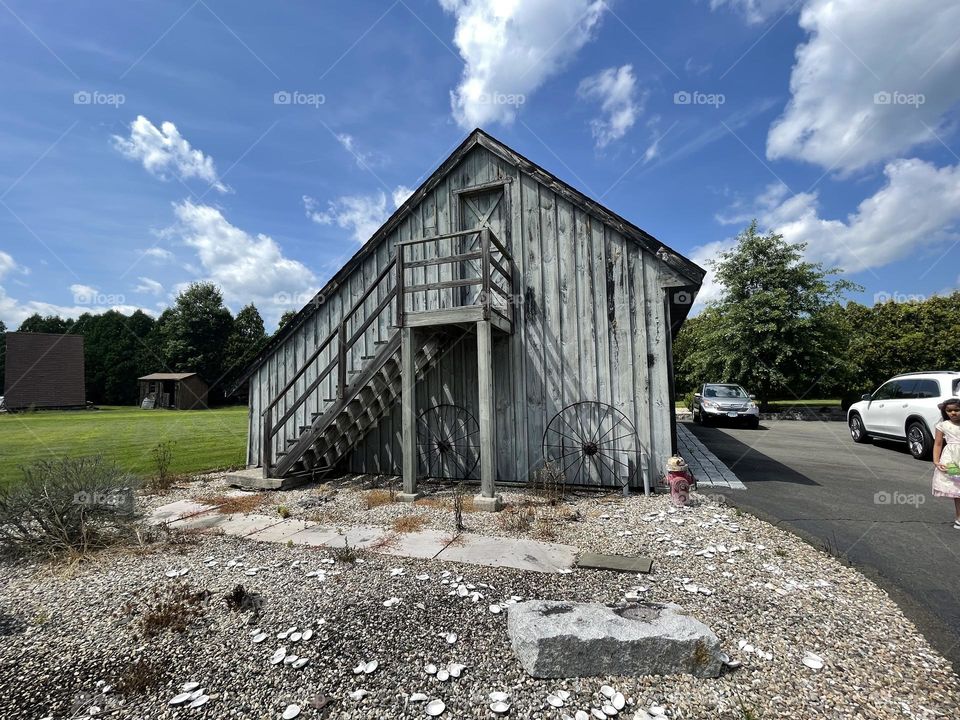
point(593, 444)
point(448, 442)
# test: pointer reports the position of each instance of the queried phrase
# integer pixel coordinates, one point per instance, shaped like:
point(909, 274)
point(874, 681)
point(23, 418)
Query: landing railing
point(345, 343)
point(488, 287)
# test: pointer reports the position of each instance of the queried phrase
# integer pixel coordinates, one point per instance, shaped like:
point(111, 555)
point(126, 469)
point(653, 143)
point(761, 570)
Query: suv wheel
point(857, 431)
point(919, 440)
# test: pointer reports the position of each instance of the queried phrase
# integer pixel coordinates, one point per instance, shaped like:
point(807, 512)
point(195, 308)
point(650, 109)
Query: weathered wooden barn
point(44, 370)
point(176, 391)
point(498, 319)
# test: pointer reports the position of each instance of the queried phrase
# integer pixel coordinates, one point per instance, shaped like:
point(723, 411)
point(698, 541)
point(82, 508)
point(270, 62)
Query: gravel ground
point(67, 631)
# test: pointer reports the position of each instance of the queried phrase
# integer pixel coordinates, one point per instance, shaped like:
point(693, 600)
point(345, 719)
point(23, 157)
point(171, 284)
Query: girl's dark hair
point(943, 406)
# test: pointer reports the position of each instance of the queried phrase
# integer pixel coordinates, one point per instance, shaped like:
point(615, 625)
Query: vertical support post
point(266, 447)
point(488, 498)
point(485, 272)
point(342, 360)
point(400, 294)
point(408, 412)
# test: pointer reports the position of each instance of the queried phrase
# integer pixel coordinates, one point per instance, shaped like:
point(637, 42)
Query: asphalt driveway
point(868, 503)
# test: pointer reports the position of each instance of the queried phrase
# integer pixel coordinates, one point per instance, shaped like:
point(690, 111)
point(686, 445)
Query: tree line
point(783, 329)
point(196, 334)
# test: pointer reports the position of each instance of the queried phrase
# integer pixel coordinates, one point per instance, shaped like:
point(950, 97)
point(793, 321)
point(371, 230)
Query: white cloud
point(362, 215)
point(857, 49)
point(247, 268)
point(165, 152)
point(6, 264)
point(616, 90)
point(148, 286)
point(757, 11)
point(157, 253)
point(510, 48)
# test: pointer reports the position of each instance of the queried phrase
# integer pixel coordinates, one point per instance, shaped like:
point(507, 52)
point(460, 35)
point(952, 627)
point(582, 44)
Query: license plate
point(731, 414)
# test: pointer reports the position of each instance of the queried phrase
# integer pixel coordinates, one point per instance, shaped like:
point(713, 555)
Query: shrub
point(140, 675)
point(283, 511)
point(70, 505)
point(688, 400)
point(458, 507)
point(550, 482)
point(162, 480)
point(376, 498)
point(409, 523)
point(171, 607)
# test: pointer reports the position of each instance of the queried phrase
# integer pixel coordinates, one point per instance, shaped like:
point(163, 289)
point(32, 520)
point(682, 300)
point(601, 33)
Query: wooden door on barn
point(478, 208)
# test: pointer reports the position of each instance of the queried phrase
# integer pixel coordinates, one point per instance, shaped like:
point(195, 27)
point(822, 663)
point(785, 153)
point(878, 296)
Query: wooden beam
point(492, 185)
point(408, 409)
point(442, 285)
point(488, 454)
point(447, 259)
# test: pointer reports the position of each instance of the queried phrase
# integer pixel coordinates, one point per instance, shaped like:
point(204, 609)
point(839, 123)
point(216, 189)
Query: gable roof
point(680, 264)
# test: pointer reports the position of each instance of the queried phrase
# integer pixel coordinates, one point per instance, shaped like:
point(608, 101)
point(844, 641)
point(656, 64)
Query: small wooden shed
point(44, 370)
point(498, 322)
point(176, 391)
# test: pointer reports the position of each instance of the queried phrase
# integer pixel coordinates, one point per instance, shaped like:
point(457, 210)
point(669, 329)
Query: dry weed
point(376, 498)
point(409, 523)
point(517, 519)
point(230, 504)
point(384, 543)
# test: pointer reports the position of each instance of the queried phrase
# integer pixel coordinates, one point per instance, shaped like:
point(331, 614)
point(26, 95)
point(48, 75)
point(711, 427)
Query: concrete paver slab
point(357, 536)
point(620, 563)
point(316, 535)
point(509, 552)
point(425, 544)
point(281, 531)
point(236, 525)
point(177, 511)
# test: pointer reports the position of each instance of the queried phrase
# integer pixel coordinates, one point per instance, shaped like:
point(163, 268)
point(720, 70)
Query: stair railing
point(345, 343)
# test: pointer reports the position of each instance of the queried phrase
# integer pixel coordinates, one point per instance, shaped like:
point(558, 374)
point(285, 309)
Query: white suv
point(904, 408)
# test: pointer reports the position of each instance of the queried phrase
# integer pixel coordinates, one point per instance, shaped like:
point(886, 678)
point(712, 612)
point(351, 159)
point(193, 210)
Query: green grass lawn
point(200, 439)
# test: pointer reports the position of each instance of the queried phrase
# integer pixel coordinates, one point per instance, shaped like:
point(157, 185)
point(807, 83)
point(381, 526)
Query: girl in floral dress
point(946, 455)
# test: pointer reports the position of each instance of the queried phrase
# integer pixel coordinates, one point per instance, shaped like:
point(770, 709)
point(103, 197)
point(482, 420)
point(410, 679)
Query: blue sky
point(148, 144)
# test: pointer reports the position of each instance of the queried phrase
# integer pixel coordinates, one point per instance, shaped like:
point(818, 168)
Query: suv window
point(956, 388)
point(926, 389)
point(889, 391)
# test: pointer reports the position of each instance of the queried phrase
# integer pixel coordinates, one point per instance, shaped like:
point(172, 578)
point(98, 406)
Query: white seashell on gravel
point(499, 707)
point(451, 638)
point(618, 701)
point(190, 686)
point(296, 637)
point(199, 701)
point(430, 669)
point(291, 712)
point(259, 637)
point(179, 699)
point(299, 663)
point(598, 713)
point(443, 675)
point(496, 609)
point(812, 661)
point(607, 691)
point(564, 571)
point(196, 693)
point(418, 697)
point(609, 710)
point(278, 656)
point(499, 696)
point(358, 694)
point(359, 668)
point(172, 573)
point(435, 707)
point(455, 669)
point(657, 710)
point(563, 695)
point(252, 572)
point(581, 715)
point(555, 701)
point(290, 659)
point(307, 634)
point(394, 572)
point(371, 666)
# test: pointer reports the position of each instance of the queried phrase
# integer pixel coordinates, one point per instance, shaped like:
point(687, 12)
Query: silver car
point(723, 401)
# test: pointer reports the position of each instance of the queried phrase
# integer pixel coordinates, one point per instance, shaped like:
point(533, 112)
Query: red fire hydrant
point(680, 480)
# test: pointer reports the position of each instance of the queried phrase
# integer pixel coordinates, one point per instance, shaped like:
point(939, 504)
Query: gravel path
point(65, 632)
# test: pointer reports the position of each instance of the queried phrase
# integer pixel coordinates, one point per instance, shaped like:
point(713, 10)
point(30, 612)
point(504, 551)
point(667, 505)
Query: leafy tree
point(770, 331)
point(113, 346)
point(48, 324)
point(194, 335)
point(285, 318)
point(3, 354)
point(245, 341)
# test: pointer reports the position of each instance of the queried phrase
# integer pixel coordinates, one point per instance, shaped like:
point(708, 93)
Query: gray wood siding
point(589, 325)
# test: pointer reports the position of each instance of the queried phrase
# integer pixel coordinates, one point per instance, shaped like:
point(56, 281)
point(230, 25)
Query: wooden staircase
point(337, 430)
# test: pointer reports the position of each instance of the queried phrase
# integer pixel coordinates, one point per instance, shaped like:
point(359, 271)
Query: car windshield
point(724, 391)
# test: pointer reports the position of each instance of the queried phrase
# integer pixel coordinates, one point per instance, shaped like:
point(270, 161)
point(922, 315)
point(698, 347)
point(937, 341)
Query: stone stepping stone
point(618, 563)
